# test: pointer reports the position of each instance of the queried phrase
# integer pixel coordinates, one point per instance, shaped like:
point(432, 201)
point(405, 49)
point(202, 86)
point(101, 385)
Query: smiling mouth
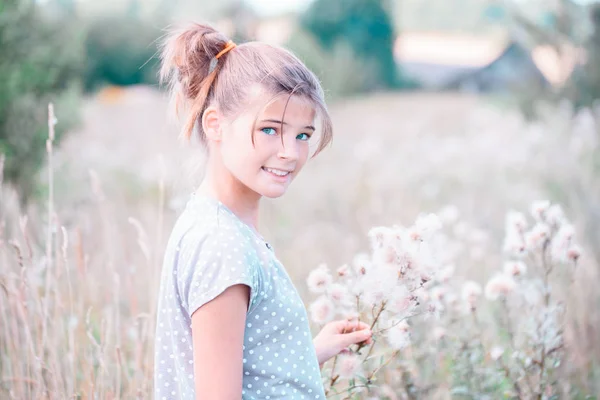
point(280, 173)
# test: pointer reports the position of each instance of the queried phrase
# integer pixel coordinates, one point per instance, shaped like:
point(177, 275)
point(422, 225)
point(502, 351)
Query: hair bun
point(186, 56)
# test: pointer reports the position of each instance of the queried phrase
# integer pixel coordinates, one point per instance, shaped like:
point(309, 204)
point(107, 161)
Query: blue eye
point(266, 130)
point(303, 136)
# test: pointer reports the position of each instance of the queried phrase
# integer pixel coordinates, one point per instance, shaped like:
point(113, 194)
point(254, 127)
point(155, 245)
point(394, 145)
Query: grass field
point(77, 308)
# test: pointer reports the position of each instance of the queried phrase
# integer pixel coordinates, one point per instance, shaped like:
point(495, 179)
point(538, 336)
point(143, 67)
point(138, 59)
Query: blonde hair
point(195, 82)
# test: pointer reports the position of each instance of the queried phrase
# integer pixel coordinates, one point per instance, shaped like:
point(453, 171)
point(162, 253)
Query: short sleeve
point(210, 262)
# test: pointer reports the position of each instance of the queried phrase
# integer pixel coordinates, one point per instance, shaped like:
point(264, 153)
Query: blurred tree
point(563, 26)
point(364, 26)
point(586, 80)
point(41, 62)
point(340, 71)
point(120, 49)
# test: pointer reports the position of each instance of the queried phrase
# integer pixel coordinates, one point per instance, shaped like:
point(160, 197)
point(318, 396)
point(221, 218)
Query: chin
point(273, 193)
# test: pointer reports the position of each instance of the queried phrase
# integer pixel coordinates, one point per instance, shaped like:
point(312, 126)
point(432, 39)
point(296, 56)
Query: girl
point(230, 323)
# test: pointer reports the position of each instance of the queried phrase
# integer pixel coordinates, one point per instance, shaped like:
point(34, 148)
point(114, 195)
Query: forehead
point(292, 108)
point(289, 108)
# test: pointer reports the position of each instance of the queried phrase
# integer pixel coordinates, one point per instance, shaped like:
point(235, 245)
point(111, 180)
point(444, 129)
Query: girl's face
point(280, 150)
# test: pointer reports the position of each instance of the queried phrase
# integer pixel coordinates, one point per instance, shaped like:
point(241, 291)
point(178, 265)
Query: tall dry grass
point(79, 273)
point(78, 296)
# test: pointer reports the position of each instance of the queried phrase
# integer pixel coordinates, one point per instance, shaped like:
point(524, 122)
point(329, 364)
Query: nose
point(289, 149)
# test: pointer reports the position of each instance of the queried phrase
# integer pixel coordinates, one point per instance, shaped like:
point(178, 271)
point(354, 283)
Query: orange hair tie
point(230, 45)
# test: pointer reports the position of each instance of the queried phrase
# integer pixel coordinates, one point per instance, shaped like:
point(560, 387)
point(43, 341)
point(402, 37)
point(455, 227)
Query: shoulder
point(214, 235)
point(214, 256)
point(218, 242)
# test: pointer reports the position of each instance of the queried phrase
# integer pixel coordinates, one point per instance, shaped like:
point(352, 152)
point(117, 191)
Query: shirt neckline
point(196, 195)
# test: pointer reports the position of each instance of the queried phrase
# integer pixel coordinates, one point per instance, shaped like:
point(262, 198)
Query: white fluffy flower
point(343, 271)
point(514, 245)
point(361, 264)
point(425, 227)
point(562, 242)
point(537, 236)
point(499, 285)
point(319, 279)
point(515, 221)
point(515, 268)
point(379, 236)
point(574, 252)
point(555, 216)
point(378, 285)
point(387, 254)
point(539, 210)
point(470, 292)
point(401, 301)
point(399, 334)
point(348, 366)
point(339, 294)
point(322, 310)
point(496, 352)
point(565, 234)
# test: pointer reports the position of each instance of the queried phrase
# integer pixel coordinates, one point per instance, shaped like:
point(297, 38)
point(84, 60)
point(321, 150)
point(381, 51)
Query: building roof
point(426, 53)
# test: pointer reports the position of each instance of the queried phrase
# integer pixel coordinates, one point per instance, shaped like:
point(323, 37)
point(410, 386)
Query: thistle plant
point(388, 288)
point(477, 341)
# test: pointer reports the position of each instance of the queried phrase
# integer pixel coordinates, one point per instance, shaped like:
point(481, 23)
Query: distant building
point(441, 61)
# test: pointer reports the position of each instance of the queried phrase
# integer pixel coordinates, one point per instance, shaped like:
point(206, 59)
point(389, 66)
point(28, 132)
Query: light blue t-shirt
point(211, 249)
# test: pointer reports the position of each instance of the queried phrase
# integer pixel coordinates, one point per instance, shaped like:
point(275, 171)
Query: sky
point(274, 7)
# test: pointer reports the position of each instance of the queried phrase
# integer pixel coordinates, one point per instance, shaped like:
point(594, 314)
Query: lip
point(277, 177)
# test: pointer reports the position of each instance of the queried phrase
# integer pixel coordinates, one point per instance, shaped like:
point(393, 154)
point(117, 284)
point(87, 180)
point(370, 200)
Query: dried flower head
point(539, 210)
point(555, 216)
point(500, 285)
point(343, 271)
point(515, 268)
point(398, 334)
point(322, 310)
point(537, 236)
point(574, 252)
point(470, 292)
point(319, 279)
point(515, 221)
point(349, 366)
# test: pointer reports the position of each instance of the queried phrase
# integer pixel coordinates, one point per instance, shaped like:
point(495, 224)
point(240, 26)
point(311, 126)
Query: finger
point(358, 326)
point(362, 325)
point(355, 337)
point(345, 351)
point(345, 326)
point(341, 326)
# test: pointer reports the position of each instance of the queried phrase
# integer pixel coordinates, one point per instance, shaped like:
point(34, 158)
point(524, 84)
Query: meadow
point(79, 271)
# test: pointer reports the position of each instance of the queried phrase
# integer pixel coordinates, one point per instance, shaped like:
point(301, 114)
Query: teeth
point(277, 172)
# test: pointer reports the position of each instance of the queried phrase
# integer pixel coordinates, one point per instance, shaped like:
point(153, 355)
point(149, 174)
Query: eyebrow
point(285, 123)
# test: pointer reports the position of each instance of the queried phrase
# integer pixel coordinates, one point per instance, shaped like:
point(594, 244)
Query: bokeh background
point(484, 105)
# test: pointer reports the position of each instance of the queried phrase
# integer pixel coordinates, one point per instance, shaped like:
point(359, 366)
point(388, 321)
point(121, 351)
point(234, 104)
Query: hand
point(337, 336)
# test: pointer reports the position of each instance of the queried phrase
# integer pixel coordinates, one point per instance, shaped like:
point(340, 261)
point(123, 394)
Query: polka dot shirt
point(211, 249)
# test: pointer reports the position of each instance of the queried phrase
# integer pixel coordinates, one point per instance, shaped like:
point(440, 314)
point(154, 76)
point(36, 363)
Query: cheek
point(235, 146)
point(303, 158)
point(242, 159)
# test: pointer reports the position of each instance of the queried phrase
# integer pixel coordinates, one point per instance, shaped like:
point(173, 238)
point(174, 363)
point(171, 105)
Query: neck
point(241, 200)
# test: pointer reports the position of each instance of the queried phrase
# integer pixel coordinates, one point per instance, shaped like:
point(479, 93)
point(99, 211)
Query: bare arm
point(218, 337)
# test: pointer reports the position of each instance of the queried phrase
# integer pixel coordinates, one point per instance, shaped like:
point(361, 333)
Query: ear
point(211, 123)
